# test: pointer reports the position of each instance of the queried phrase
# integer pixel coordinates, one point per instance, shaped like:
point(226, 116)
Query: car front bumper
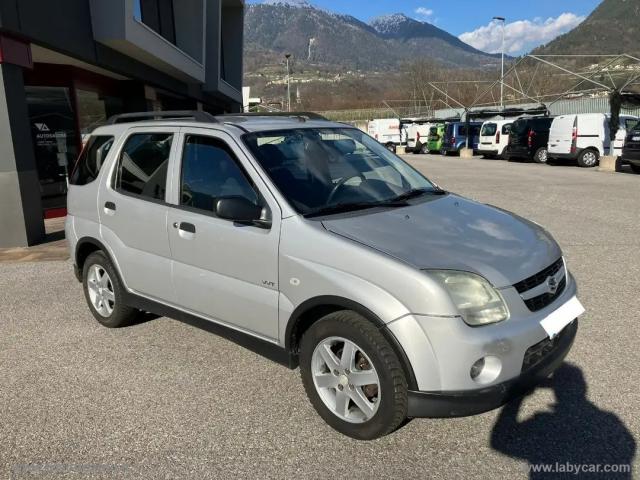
point(471, 402)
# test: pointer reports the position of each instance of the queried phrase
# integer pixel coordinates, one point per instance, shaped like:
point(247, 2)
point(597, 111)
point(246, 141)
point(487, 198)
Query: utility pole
point(288, 56)
point(502, 19)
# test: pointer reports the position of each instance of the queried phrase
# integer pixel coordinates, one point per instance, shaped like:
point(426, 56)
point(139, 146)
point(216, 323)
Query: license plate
point(563, 316)
point(635, 139)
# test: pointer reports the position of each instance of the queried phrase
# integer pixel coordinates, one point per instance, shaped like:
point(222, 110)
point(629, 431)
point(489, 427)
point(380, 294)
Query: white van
point(585, 137)
point(418, 136)
point(386, 131)
point(494, 137)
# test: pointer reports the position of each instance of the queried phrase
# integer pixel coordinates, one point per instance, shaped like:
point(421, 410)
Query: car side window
point(506, 129)
point(211, 171)
point(143, 164)
point(91, 160)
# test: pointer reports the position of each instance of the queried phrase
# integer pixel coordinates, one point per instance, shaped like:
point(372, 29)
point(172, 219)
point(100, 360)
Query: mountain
point(610, 29)
point(319, 37)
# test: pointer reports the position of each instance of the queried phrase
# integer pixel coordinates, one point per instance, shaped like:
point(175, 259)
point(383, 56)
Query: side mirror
point(242, 210)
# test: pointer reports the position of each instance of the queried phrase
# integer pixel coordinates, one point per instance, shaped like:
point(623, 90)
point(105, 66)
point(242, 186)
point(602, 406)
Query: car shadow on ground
point(575, 432)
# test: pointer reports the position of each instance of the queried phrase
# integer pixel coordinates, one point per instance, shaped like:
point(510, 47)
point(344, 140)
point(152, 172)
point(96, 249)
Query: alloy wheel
point(345, 379)
point(101, 292)
point(590, 159)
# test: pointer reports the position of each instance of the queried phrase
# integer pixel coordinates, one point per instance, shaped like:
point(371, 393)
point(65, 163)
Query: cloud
point(424, 12)
point(522, 35)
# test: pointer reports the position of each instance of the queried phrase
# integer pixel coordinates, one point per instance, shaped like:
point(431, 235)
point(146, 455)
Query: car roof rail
point(302, 116)
point(194, 115)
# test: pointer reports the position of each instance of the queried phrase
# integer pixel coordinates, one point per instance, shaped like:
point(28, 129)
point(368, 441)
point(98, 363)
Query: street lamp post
point(502, 19)
point(288, 56)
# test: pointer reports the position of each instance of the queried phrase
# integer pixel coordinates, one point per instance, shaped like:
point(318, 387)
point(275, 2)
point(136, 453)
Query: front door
point(223, 271)
point(133, 212)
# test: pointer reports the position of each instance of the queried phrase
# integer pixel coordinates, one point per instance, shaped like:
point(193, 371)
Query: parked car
point(494, 137)
point(631, 150)
point(418, 137)
point(455, 137)
point(436, 136)
point(309, 242)
point(586, 137)
point(528, 139)
point(386, 131)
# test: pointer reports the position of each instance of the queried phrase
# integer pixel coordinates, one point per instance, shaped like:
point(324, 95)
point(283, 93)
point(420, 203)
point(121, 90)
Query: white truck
point(585, 137)
point(386, 131)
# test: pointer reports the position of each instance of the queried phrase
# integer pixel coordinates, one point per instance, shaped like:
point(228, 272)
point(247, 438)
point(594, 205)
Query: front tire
point(352, 376)
point(104, 292)
point(635, 168)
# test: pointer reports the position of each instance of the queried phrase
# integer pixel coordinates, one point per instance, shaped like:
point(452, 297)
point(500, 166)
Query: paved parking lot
point(165, 400)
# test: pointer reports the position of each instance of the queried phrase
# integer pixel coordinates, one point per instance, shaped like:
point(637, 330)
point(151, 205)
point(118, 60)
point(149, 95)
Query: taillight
point(574, 139)
point(530, 138)
point(498, 137)
point(417, 135)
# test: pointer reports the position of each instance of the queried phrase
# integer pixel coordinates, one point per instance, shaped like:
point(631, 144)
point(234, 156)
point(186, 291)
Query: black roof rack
point(300, 115)
point(194, 115)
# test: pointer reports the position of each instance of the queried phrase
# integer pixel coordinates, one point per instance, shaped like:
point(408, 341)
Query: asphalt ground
point(162, 399)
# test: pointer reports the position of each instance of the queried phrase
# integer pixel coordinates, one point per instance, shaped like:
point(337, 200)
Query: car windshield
point(489, 129)
point(326, 170)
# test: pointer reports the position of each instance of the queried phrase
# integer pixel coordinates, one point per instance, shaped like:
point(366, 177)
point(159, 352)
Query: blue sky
point(529, 22)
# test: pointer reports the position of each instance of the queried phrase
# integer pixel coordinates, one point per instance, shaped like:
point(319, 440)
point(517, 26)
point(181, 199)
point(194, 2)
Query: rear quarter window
point(91, 160)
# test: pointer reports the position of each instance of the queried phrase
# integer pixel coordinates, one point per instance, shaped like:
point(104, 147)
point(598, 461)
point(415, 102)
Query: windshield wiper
point(417, 192)
point(353, 206)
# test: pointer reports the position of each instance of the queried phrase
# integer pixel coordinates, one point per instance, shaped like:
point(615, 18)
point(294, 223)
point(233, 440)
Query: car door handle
point(185, 227)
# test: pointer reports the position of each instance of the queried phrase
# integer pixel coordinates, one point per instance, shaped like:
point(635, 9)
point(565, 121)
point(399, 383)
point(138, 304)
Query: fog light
point(486, 370)
point(476, 368)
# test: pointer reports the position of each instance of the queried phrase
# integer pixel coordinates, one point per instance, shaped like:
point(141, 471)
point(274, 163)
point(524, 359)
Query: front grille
point(538, 303)
point(538, 352)
point(535, 280)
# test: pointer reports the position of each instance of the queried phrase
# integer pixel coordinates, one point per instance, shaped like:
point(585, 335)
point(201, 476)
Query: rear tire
point(104, 292)
point(588, 158)
point(391, 147)
point(541, 155)
point(424, 149)
point(334, 354)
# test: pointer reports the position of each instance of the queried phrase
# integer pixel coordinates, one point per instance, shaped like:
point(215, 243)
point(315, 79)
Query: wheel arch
point(313, 309)
point(85, 246)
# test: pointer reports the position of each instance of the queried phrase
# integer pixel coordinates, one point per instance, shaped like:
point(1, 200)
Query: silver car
point(309, 242)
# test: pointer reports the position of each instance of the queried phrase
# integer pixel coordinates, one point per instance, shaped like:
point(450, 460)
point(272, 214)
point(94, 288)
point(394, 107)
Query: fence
point(562, 107)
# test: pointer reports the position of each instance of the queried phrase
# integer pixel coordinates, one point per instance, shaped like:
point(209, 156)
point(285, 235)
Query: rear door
point(560, 136)
point(488, 134)
point(223, 271)
point(133, 212)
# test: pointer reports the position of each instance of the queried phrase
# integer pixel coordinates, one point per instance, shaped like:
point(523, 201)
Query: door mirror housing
point(242, 210)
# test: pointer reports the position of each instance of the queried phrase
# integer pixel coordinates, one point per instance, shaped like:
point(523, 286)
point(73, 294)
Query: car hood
point(454, 233)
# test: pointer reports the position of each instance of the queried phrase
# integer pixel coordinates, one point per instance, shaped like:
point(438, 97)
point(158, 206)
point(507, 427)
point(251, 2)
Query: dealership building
point(68, 65)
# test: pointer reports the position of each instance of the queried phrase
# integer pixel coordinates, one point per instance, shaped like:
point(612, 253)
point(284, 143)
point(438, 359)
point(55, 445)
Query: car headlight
point(476, 299)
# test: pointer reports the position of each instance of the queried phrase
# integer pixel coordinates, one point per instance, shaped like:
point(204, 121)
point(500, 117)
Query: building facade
point(68, 65)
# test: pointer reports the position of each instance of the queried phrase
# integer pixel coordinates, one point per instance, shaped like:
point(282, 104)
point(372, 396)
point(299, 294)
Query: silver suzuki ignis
point(309, 242)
